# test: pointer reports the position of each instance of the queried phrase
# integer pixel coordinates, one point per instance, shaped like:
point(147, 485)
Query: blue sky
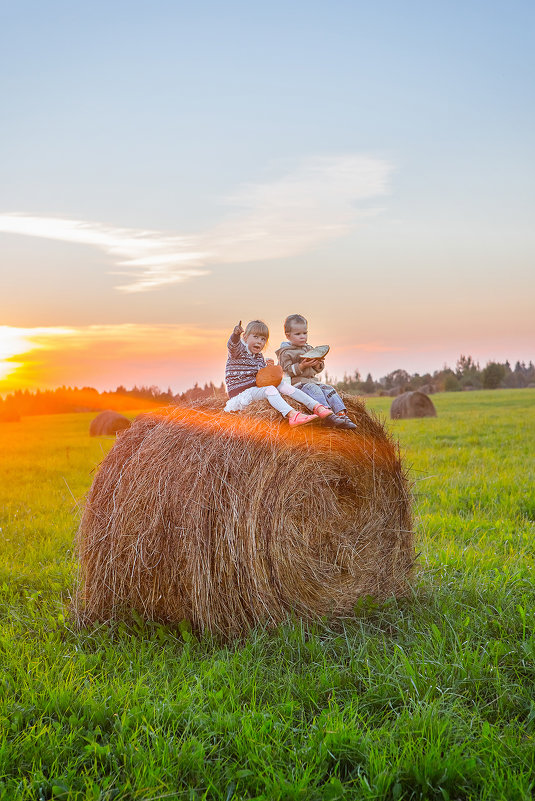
point(368, 165)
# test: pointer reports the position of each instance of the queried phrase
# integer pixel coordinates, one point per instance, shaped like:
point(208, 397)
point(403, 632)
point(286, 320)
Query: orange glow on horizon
point(179, 356)
point(16, 347)
point(105, 355)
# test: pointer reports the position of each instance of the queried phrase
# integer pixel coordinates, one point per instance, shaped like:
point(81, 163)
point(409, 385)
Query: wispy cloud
point(149, 257)
point(320, 200)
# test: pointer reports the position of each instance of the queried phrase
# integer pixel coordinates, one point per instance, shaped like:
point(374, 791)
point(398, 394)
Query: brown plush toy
point(269, 376)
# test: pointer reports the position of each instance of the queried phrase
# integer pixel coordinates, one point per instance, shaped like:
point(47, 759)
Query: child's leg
point(313, 394)
point(298, 395)
point(239, 402)
point(273, 397)
point(332, 398)
point(335, 402)
point(316, 392)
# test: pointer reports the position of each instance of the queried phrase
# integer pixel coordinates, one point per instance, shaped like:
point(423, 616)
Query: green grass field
point(432, 697)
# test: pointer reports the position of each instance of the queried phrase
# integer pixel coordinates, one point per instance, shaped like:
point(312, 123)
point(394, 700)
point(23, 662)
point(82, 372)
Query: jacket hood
point(283, 346)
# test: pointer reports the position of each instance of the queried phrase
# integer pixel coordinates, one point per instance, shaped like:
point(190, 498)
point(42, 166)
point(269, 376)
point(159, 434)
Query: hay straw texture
point(412, 404)
point(108, 422)
point(229, 520)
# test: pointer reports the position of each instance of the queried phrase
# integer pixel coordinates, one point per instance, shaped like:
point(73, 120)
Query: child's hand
point(315, 363)
point(238, 330)
point(270, 362)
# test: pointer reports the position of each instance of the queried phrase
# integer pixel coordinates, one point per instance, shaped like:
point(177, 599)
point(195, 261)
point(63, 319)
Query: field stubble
point(429, 697)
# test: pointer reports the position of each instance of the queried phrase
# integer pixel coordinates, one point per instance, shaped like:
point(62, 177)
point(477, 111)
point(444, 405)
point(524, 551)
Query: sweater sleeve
point(235, 345)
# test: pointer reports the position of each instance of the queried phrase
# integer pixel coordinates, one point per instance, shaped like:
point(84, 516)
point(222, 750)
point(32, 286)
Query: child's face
point(298, 334)
point(255, 342)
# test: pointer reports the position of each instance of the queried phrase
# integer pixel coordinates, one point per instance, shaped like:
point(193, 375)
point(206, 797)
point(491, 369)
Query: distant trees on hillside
point(65, 400)
point(467, 375)
point(200, 393)
point(87, 399)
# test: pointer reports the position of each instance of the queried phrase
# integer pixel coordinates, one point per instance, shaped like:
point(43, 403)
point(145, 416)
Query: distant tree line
point(64, 400)
point(466, 376)
point(199, 393)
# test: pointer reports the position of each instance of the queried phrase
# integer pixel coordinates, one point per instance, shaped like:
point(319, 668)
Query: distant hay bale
point(108, 422)
point(412, 404)
point(427, 388)
point(9, 416)
point(229, 520)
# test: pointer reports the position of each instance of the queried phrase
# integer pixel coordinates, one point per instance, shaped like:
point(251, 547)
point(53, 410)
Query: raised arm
point(234, 343)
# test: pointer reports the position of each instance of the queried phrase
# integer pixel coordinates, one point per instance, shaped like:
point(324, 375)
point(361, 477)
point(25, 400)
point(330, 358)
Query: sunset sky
point(171, 168)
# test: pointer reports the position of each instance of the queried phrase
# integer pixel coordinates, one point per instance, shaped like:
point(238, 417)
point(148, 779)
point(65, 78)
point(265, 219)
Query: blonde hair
point(257, 327)
point(294, 319)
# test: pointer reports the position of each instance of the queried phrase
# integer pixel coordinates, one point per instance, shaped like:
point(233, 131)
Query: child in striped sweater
point(244, 361)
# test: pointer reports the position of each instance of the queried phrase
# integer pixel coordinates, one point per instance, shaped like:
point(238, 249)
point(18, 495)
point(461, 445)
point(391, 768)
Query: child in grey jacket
point(303, 372)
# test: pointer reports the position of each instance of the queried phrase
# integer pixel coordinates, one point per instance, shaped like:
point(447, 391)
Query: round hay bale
point(108, 422)
point(412, 404)
point(428, 389)
point(9, 416)
point(229, 520)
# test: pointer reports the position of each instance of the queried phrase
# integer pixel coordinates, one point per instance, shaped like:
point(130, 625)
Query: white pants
point(273, 395)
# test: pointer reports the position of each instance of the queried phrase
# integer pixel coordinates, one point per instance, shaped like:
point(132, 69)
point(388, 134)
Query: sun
point(13, 341)
point(21, 355)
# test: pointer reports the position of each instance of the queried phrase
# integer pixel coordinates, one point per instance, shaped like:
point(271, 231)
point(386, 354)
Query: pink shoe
point(296, 418)
point(322, 411)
